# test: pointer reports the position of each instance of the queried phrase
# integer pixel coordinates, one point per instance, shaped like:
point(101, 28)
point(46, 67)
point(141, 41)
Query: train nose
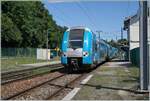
point(74, 53)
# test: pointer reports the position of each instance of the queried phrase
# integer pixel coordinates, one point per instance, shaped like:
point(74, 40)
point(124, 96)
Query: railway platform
point(115, 80)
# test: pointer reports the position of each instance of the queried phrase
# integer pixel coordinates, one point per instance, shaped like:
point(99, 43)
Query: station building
point(131, 25)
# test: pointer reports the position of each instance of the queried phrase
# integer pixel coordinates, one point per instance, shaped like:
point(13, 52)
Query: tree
point(29, 20)
point(123, 42)
point(11, 35)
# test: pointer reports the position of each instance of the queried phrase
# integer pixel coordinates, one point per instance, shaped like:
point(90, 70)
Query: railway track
point(11, 76)
point(50, 82)
point(26, 90)
point(48, 88)
point(68, 85)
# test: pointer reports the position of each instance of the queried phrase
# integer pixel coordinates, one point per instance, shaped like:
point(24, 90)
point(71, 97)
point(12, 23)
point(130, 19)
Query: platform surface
point(116, 80)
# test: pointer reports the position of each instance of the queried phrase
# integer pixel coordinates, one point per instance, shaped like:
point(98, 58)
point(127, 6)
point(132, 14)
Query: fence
point(13, 57)
point(22, 52)
point(17, 52)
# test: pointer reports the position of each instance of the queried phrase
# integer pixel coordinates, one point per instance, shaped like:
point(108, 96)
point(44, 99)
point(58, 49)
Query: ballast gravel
point(10, 89)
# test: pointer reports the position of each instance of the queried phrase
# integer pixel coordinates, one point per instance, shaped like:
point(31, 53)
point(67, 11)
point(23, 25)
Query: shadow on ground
point(80, 71)
point(114, 88)
point(119, 60)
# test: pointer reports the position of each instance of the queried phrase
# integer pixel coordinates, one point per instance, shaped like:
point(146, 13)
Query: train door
point(94, 49)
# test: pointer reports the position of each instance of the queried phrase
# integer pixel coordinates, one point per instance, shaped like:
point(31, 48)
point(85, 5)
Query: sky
point(105, 16)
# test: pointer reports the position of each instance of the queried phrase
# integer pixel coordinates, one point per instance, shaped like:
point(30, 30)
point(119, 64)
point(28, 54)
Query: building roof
point(130, 20)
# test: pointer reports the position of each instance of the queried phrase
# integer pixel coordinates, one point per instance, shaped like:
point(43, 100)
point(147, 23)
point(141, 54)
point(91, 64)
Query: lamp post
point(47, 43)
point(121, 33)
point(57, 43)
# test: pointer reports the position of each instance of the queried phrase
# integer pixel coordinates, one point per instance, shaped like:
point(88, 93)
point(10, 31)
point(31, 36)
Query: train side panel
point(64, 48)
point(88, 37)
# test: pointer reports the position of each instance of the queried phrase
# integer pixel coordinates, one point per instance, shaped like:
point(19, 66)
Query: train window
point(76, 38)
point(75, 44)
point(76, 34)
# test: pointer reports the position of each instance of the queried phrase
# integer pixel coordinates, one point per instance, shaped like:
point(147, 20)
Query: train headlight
point(64, 54)
point(85, 54)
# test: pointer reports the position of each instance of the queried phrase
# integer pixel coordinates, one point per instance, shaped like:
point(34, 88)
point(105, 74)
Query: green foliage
point(11, 35)
point(27, 23)
point(113, 43)
point(120, 42)
point(123, 42)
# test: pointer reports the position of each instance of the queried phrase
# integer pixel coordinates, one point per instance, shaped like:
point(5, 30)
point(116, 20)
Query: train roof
point(79, 27)
point(103, 41)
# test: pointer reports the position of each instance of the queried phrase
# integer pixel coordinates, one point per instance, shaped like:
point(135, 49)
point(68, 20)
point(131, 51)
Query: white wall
point(43, 54)
point(134, 34)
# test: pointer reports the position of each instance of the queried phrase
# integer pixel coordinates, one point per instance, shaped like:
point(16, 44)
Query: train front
point(76, 46)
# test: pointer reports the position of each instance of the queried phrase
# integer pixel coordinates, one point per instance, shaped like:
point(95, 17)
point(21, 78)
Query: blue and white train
point(82, 47)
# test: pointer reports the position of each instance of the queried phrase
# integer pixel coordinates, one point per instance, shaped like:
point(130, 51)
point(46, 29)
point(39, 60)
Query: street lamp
point(47, 43)
point(57, 43)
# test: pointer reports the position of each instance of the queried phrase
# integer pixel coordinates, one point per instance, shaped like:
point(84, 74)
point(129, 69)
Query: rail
point(12, 76)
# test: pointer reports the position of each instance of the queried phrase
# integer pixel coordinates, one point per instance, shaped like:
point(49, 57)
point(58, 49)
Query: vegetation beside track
point(14, 63)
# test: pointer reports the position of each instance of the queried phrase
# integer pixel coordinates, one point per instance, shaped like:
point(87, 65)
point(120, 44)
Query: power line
point(63, 17)
point(128, 7)
point(92, 19)
point(86, 14)
point(63, 20)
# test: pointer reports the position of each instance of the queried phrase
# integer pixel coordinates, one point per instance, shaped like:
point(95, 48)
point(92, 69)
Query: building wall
point(134, 35)
point(134, 40)
point(43, 54)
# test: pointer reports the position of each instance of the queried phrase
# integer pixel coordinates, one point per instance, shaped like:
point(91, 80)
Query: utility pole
point(47, 44)
point(116, 38)
point(57, 44)
point(144, 71)
point(99, 32)
point(121, 33)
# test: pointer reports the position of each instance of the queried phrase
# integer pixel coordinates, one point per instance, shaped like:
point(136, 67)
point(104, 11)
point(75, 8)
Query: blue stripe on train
point(87, 47)
point(64, 47)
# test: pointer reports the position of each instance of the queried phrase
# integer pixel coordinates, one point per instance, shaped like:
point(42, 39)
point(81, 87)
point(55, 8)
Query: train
point(83, 49)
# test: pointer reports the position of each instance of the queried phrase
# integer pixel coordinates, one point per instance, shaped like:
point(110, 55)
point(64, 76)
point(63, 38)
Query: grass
point(13, 63)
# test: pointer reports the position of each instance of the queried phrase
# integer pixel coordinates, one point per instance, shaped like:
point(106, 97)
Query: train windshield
point(76, 38)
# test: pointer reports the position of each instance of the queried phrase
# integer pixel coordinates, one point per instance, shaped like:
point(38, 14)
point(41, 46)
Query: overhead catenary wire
point(93, 18)
point(63, 17)
point(128, 7)
point(86, 14)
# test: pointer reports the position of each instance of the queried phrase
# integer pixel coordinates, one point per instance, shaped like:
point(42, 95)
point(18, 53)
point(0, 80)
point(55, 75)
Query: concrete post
point(143, 46)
